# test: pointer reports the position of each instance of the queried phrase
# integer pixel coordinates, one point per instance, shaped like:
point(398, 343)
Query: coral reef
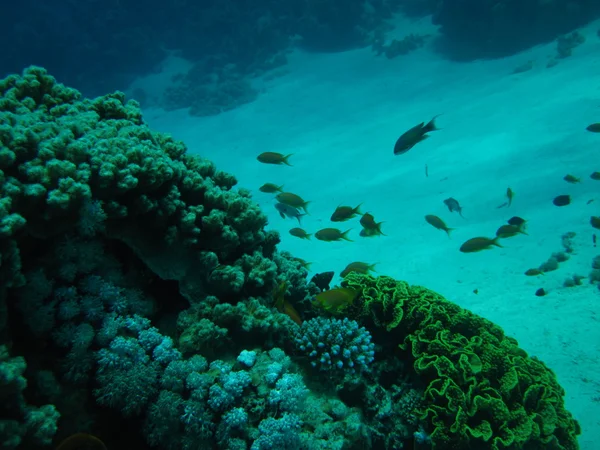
point(139, 292)
point(482, 391)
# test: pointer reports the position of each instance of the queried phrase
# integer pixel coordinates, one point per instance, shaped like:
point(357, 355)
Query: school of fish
point(291, 205)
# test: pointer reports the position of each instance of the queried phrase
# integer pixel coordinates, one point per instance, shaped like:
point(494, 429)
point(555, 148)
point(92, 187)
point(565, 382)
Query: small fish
point(562, 200)
point(413, 136)
point(274, 158)
point(343, 213)
point(594, 239)
point(300, 233)
point(594, 128)
point(288, 211)
point(294, 200)
point(541, 292)
point(453, 205)
point(595, 176)
point(475, 291)
point(534, 272)
point(516, 221)
point(438, 223)
point(366, 232)
point(368, 223)
point(322, 280)
point(284, 306)
point(509, 195)
point(335, 300)
point(270, 188)
point(571, 179)
point(506, 231)
point(595, 222)
point(332, 234)
point(479, 243)
point(358, 267)
point(591, 200)
point(301, 261)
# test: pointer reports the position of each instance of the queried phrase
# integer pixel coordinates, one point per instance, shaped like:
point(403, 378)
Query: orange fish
point(335, 300)
point(283, 306)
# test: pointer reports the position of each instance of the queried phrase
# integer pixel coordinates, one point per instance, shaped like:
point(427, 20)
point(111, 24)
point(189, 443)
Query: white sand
point(341, 114)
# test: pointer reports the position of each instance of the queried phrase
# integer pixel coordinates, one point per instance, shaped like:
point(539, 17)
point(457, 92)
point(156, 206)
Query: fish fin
point(304, 207)
point(285, 161)
point(496, 243)
point(378, 227)
point(431, 125)
point(448, 230)
point(308, 235)
point(280, 188)
point(345, 237)
point(357, 210)
point(522, 231)
point(282, 215)
point(299, 216)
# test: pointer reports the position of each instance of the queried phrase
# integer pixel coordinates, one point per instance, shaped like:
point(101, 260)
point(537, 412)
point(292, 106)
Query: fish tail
point(448, 230)
point(431, 125)
point(357, 209)
point(304, 207)
point(378, 226)
point(307, 236)
point(300, 216)
point(496, 242)
point(345, 235)
point(285, 159)
point(279, 188)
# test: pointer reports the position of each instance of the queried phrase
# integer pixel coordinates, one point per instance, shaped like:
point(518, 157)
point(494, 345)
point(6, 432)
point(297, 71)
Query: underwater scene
point(300, 225)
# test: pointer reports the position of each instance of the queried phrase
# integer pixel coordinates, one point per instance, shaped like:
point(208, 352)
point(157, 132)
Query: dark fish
point(292, 200)
point(516, 221)
point(506, 231)
point(332, 234)
point(479, 243)
point(370, 227)
point(322, 280)
point(438, 223)
point(288, 211)
point(571, 179)
point(413, 136)
point(594, 128)
point(595, 176)
point(300, 233)
point(453, 205)
point(274, 158)
point(595, 222)
point(541, 292)
point(343, 213)
point(562, 200)
point(358, 267)
point(510, 195)
point(534, 272)
point(270, 188)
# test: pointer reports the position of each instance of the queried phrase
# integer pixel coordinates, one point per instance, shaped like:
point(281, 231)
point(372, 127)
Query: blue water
point(514, 90)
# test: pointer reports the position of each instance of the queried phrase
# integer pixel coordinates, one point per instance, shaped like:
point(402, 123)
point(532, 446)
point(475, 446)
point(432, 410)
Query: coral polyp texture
point(481, 390)
point(141, 292)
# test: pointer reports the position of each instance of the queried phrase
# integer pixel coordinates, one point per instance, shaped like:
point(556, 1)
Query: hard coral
point(483, 391)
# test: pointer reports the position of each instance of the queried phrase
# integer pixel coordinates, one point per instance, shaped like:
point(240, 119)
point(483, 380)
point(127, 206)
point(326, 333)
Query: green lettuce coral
point(482, 391)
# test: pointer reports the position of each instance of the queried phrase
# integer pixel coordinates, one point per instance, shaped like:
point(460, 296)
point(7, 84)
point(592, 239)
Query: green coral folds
point(483, 391)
